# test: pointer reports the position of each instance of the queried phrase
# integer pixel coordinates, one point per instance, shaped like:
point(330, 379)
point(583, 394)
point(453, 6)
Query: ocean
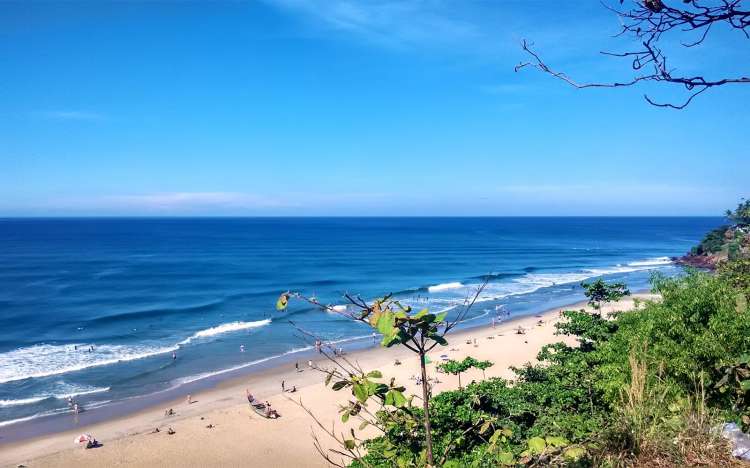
point(95, 308)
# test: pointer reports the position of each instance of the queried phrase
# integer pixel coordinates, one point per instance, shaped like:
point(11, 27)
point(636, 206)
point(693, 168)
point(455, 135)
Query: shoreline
point(226, 395)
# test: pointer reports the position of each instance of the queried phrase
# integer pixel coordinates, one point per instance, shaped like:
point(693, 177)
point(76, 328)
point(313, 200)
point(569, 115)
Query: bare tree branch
point(647, 22)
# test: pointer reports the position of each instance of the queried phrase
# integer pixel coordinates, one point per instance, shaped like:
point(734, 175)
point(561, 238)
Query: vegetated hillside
point(729, 242)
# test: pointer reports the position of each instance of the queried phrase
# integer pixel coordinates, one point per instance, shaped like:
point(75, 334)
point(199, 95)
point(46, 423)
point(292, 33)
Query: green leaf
point(440, 318)
point(745, 385)
point(574, 453)
point(345, 417)
point(360, 391)
point(557, 441)
point(506, 458)
point(395, 398)
point(485, 427)
point(339, 385)
point(536, 445)
point(328, 378)
point(376, 374)
point(349, 444)
point(439, 339)
point(420, 314)
point(363, 425)
point(385, 323)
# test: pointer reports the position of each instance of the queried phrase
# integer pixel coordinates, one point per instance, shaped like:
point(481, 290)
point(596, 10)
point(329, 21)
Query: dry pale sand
point(241, 438)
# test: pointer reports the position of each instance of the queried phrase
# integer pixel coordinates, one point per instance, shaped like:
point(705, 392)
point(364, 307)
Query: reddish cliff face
point(734, 243)
point(698, 261)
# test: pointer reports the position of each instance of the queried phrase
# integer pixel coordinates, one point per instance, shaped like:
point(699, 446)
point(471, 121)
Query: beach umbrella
point(83, 439)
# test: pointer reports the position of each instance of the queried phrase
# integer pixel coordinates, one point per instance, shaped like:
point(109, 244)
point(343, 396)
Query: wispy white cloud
point(191, 201)
point(68, 115)
point(390, 22)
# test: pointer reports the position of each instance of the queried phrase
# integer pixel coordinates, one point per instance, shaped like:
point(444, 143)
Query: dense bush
point(712, 242)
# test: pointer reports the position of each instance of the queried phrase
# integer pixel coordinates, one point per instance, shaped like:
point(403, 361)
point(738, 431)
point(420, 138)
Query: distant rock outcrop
point(724, 243)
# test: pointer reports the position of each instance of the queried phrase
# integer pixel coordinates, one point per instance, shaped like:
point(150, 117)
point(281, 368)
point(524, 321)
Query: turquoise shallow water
point(94, 308)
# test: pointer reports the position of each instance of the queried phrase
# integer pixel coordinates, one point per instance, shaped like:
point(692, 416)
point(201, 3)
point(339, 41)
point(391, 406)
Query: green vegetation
point(712, 243)
point(646, 386)
point(600, 293)
point(741, 215)
point(731, 242)
point(457, 367)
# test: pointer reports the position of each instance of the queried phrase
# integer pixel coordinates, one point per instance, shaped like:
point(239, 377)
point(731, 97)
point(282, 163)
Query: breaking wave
point(224, 328)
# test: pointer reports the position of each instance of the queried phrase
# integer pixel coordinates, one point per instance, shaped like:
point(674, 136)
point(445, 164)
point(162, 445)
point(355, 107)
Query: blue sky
point(333, 107)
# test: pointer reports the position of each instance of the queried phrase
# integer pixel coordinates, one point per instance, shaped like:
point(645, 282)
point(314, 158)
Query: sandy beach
point(218, 427)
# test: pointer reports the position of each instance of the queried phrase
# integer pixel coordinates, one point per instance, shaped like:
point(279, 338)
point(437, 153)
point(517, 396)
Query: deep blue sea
point(137, 290)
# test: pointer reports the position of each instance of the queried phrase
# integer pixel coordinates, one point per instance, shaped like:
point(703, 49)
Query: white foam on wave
point(193, 378)
point(22, 401)
point(445, 286)
point(43, 360)
point(27, 418)
point(532, 282)
point(60, 391)
point(658, 261)
point(225, 328)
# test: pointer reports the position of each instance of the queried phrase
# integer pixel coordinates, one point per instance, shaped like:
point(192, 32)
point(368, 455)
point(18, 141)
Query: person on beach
point(75, 408)
point(250, 397)
point(189, 399)
point(309, 363)
point(283, 386)
point(242, 348)
point(318, 346)
point(174, 356)
point(296, 367)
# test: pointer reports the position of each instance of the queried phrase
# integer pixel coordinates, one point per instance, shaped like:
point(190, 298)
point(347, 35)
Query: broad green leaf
point(485, 427)
point(506, 458)
point(345, 417)
point(395, 398)
point(745, 385)
point(339, 385)
point(349, 444)
point(421, 313)
point(439, 339)
point(364, 424)
point(328, 378)
point(536, 445)
point(385, 323)
point(556, 441)
point(360, 391)
point(376, 374)
point(441, 317)
point(574, 453)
